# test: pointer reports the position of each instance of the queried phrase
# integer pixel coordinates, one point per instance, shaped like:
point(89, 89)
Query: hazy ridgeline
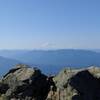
point(49, 61)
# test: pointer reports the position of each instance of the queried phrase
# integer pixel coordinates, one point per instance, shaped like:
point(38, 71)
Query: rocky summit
point(26, 83)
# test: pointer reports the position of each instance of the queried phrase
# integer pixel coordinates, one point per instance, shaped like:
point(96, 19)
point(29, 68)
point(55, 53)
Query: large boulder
point(25, 83)
point(77, 84)
point(64, 91)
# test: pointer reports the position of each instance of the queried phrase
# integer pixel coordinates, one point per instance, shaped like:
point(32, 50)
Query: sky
point(49, 24)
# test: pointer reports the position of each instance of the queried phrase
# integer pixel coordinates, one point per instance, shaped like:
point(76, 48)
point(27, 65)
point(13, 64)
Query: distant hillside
point(66, 57)
point(54, 60)
point(12, 53)
point(97, 50)
point(6, 64)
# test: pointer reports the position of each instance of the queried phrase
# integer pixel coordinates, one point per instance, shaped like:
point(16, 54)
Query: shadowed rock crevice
point(87, 86)
point(3, 88)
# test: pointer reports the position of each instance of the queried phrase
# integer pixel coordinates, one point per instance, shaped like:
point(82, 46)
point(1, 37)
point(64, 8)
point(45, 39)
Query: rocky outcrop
point(87, 86)
point(26, 83)
point(79, 84)
point(64, 89)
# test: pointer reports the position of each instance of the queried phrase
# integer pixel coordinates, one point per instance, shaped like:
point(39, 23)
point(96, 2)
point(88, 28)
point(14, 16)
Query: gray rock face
point(25, 83)
point(64, 89)
point(81, 84)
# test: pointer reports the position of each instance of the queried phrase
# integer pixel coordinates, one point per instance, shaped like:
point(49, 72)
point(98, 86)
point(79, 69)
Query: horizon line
point(51, 49)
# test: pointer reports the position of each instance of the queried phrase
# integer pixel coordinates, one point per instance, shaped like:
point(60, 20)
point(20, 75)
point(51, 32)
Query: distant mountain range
point(12, 53)
point(50, 60)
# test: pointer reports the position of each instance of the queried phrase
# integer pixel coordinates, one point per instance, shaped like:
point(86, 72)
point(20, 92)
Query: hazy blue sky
point(41, 24)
